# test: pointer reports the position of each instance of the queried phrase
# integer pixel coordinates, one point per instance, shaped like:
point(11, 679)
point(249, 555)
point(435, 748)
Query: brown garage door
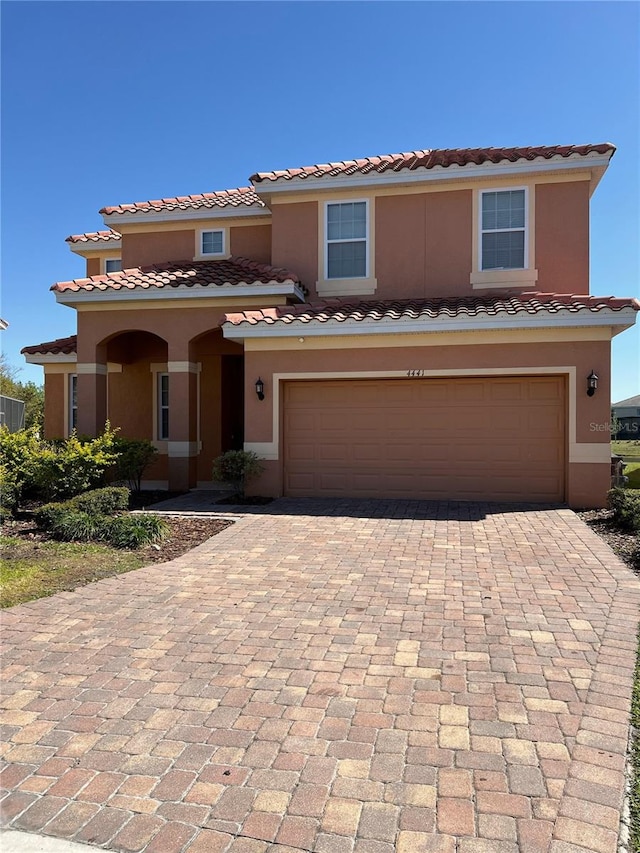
point(458, 439)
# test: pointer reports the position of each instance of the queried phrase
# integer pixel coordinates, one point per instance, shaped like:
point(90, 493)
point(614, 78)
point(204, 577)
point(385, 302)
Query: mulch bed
point(184, 534)
point(621, 542)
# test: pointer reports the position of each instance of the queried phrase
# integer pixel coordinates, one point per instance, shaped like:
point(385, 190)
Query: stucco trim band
point(92, 368)
point(182, 449)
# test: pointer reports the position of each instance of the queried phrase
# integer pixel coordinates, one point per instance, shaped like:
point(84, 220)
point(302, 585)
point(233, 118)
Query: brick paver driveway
point(378, 677)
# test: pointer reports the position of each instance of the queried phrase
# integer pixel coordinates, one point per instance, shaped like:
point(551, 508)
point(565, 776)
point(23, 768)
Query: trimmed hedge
point(97, 517)
point(102, 501)
point(625, 504)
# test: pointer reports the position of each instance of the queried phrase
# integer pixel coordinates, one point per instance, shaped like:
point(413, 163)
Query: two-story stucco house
point(412, 325)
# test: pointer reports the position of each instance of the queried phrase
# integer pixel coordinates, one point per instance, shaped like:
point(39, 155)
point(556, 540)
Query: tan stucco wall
point(423, 245)
point(295, 241)
point(562, 237)
point(587, 484)
point(145, 248)
point(252, 241)
point(54, 403)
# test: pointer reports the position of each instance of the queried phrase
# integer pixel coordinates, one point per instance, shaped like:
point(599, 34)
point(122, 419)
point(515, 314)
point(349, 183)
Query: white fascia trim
point(114, 219)
point(88, 248)
point(436, 173)
point(333, 328)
point(182, 291)
point(50, 358)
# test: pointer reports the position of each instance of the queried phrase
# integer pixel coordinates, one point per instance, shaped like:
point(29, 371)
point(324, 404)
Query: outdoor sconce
point(592, 383)
point(260, 388)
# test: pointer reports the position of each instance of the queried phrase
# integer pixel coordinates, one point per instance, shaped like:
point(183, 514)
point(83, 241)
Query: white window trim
point(521, 277)
point(202, 256)
point(106, 261)
point(367, 236)
point(482, 231)
point(356, 286)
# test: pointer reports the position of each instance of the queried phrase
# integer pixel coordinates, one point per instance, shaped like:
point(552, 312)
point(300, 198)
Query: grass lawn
point(632, 471)
point(34, 569)
point(626, 448)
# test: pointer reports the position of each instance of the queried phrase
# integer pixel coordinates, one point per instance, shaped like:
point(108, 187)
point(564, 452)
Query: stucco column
point(92, 397)
point(183, 424)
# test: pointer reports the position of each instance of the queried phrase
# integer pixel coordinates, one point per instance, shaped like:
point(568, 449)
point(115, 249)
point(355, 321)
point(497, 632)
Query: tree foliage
point(32, 394)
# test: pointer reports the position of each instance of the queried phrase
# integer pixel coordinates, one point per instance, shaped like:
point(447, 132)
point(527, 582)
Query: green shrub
point(134, 455)
point(105, 501)
point(8, 493)
point(132, 531)
point(21, 459)
point(237, 467)
point(626, 508)
point(76, 465)
point(71, 525)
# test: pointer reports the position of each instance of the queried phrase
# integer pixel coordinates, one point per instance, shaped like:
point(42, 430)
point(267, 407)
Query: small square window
point(212, 243)
point(113, 265)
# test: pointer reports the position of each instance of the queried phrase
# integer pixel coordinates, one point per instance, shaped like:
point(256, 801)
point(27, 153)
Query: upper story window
point(113, 265)
point(347, 229)
point(212, 243)
point(503, 229)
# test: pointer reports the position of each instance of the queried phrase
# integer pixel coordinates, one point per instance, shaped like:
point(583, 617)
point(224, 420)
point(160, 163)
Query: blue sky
point(108, 102)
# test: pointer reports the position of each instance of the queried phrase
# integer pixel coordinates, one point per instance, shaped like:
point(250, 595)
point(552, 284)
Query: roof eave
point(50, 358)
point(617, 320)
point(594, 161)
point(92, 247)
point(114, 220)
point(287, 288)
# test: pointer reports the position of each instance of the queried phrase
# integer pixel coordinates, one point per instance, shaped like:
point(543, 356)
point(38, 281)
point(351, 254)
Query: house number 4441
point(415, 372)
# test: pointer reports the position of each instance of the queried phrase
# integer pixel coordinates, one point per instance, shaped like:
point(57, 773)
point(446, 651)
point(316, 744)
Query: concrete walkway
point(335, 677)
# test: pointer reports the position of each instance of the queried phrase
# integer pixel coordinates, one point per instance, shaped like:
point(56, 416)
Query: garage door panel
point(464, 439)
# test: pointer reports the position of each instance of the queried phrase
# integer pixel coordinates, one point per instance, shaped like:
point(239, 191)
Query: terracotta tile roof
point(240, 197)
point(524, 303)
point(193, 274)
point(61, 346)
point(94, 237)
point(429, 158)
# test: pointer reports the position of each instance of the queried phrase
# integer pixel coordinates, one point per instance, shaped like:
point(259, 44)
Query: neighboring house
point(627, 413)
point(412, 325)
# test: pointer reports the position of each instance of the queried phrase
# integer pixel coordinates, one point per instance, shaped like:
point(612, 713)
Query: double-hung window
point(73, 402)
point(212, 243)
point(113, 265)
point(163, 407)
point(346, 240)
point(503, 229)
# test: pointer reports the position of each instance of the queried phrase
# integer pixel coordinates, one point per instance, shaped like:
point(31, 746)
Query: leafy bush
point(8, 493)
point(132, 531)
point(96, 516)
point(76, 465)
point(105, 501)
point(21, 459)
point(134, 457)
point(237, 467)
point(626, 508)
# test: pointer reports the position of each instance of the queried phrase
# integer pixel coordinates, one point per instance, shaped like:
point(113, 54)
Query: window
point(163, 406)
point(73, 402)
point(113, 265)
point(212, 243)
point(503, 241)
point(346, 239)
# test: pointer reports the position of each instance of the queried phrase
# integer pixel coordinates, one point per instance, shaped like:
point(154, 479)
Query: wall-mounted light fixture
point(260, 388)
point(592, 383)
